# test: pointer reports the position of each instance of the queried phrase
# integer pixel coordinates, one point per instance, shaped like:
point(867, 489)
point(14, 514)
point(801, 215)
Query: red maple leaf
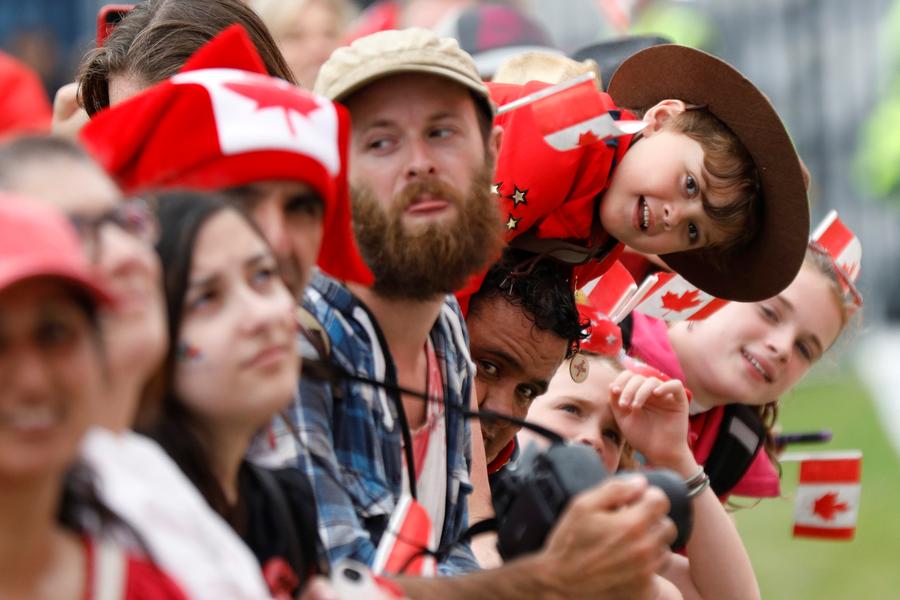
point(587, 138)
point(682, 302)
point(284, 97)
point(827, 506)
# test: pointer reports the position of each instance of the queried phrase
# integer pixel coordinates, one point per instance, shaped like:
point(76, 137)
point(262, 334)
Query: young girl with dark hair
point(232, 367)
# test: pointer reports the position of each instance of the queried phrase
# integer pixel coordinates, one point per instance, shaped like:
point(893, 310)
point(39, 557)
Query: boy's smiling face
point(654, 203)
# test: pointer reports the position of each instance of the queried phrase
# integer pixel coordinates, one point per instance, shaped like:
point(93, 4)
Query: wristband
point(697, 483)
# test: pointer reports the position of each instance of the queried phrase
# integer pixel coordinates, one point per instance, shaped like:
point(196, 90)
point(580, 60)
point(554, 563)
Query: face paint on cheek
point(187, 352)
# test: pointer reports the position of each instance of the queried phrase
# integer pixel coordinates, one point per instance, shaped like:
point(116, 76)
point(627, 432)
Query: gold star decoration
point(512, 223)
point(495, 189)
point(518, 197)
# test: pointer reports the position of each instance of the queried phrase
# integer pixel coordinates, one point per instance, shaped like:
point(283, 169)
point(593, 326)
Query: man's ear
point(494, 142)
point(659, 115)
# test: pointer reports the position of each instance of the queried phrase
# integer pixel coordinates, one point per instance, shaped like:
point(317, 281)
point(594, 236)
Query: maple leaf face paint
point(752, 353)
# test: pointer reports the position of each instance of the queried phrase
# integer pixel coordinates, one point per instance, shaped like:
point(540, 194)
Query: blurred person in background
point(306, 31)
point(183, 534)
point(150, 45)
point(24, 107)
point(53, 366)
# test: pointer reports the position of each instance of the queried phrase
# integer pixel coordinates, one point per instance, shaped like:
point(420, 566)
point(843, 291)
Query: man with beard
point(421, 158)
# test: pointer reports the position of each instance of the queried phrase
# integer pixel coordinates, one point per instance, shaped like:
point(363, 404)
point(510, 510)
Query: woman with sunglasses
point(178, 527)
point(52, 371)
point(232, 367)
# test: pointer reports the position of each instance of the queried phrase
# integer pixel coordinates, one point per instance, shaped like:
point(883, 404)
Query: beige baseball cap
point(385, 53)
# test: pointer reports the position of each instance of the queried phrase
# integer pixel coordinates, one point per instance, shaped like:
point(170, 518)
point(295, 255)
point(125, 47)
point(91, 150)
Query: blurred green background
point(832, 397)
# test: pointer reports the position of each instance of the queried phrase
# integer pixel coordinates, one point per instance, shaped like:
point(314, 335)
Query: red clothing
point(143, 580)
point(650, 343)
point(549, 193)
point(24, 107)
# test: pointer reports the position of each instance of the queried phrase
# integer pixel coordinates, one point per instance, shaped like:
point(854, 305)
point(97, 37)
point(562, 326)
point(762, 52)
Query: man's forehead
point(504, 330)
point(393, 95)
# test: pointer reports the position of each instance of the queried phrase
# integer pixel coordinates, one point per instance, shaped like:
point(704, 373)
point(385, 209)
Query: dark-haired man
point(522, 323)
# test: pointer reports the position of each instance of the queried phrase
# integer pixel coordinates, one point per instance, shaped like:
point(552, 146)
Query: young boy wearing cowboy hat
point(713, 184)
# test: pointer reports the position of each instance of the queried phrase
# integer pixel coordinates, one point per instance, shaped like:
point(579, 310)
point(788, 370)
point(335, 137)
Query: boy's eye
point(693, 233)
point(690, 186)
point(768, 313)
point(805, 351)
point(613, 436)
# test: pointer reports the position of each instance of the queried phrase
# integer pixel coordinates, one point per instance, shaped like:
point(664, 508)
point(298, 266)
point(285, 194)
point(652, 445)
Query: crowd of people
point(252, 293)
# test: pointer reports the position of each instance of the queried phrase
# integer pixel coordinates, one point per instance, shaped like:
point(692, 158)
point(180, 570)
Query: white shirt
point(187, 539)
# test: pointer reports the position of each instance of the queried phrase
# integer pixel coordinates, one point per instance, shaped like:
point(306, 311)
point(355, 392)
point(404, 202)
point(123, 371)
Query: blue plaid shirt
point(354, 429)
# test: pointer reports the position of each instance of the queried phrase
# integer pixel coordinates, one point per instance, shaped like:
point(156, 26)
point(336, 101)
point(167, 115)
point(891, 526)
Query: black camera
point(530, 495)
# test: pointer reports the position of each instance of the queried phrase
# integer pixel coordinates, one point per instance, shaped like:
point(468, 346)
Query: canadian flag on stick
point(609, 292)
point(841, 243)
point(408, 533)
point(827, 498)
point(572, 114)
point(673, 298)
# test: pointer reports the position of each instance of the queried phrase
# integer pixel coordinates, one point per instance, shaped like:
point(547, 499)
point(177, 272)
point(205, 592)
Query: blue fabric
point(354, 430)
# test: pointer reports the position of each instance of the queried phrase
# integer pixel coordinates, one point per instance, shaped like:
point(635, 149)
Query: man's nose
point(421, 160)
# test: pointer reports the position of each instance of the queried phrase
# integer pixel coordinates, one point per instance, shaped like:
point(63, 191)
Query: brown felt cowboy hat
point(772, 259)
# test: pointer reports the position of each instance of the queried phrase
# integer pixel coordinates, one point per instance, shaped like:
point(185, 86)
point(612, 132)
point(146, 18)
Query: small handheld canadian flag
point(827, 498)
point(609, 292)
point(841, 243)
point(572, 114)
point(673, 298)
point(408, 534)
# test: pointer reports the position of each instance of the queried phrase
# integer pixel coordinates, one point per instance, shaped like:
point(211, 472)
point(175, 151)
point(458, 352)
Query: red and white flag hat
point(222, 122)
point(827, 499)
point(673, 298)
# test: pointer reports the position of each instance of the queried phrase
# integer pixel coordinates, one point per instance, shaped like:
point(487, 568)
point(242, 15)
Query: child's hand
point(652, 415)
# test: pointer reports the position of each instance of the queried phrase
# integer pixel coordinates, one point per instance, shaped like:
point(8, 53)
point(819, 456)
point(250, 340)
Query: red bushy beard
point(434, 259)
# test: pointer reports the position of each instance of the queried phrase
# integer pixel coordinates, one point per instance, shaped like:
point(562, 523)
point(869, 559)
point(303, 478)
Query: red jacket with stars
point(550, 193)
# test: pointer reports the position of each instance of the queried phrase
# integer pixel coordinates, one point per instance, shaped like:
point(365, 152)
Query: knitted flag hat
point(222, 122)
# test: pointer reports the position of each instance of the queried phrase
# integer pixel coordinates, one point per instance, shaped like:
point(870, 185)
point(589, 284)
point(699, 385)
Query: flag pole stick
point(549, 91)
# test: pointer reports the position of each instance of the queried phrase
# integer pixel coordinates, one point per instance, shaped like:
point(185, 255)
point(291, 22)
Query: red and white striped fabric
point(827, 497)
point(577, 116)
point(408, 532)
point(673, 298)
point(841, 243)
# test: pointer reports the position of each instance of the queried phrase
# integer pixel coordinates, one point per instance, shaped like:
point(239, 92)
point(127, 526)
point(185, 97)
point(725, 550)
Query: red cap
point(222, 122)
point(37, 241)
